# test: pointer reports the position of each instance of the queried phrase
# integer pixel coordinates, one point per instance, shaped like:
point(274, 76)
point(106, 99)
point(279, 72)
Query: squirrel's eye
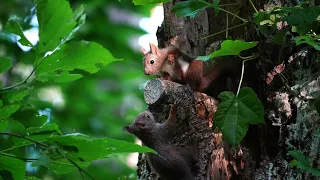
point(152, 61)
point(148, 116)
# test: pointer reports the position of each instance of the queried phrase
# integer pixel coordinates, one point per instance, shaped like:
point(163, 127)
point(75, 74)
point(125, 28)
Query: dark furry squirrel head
point(143, 124)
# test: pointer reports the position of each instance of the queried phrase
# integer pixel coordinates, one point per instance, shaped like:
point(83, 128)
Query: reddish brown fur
point(211, 80)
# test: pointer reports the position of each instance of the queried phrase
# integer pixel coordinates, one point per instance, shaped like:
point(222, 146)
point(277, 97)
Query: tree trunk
point(290, 117)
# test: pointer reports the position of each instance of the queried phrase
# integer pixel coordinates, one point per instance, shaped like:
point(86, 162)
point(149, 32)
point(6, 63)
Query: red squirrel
point(171, 162)
point(172, 64)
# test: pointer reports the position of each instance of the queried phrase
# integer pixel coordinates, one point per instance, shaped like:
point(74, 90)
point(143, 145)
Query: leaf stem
point(245, 59)
point(15, 157)
point(242, 72)
point(255, 9)
point(233, 27)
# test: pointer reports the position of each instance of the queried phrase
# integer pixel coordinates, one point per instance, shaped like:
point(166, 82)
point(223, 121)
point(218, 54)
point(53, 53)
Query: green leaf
point(266, 24)
point(5, 64)
point(234, 114)
point(92, 149)
point(250, 105)
point(146, 2)
point(314, 171)
point(76, 55)
point(82, 150)
point(300, 157)
point(8, 110)
point(3, 125)
point(64, 77)
point(302, 16)
point(81, 18)
point(229, 47)
point(15, 127)
point(19, 142)
point(304, 167)
point(13, 26)
point(294, 163)
point(216, 7)
point(63, 166)
point(279, 37)
point(309, 39)
point(15, 167)
point(29, 117)
point(52, 127)
point(39, 134)
point(317, 133)
point(53, 13)
point(190, 8)
point(31, 178)
point(44, 160)
point(16, 95)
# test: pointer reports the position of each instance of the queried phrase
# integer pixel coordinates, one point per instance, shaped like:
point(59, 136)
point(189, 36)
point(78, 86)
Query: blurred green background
point(98, 104)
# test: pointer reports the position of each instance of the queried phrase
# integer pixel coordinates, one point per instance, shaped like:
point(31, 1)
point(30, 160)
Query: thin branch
point(231, 4)
point(227, 26)
point(23, 137)
point(233, 27)
point(23, 159)
point(237, 12)
point(75, 164)
point(226, 11)
point(255, 9)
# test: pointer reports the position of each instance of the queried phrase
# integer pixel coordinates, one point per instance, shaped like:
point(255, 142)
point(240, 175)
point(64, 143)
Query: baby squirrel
point(174, 65)
point(171, 162)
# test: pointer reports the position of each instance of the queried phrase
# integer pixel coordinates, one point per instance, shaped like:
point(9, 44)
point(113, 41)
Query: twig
point(26, 80)
point(231, 4)
point(22, 137)
point(233, 27)
point(234, 17)
point(23, 159)
point(227, 26)
point(226, 11)
point(255, 9)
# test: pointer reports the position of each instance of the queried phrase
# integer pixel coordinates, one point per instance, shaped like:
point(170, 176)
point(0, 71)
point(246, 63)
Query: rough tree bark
point(290, 117)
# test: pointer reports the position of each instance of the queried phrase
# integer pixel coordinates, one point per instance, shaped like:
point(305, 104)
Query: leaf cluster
point(58, 57)
point(301, 22)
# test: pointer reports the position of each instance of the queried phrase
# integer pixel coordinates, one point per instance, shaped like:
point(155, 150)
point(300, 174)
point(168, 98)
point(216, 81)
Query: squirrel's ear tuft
point(153, 49)
point(143, 51)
